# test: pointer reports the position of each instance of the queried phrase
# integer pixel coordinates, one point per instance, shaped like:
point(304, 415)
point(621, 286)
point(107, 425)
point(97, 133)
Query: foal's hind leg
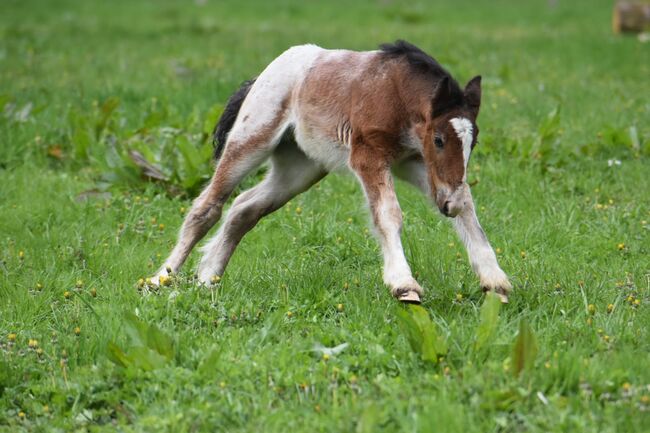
point(207, 207)
point(291, 173)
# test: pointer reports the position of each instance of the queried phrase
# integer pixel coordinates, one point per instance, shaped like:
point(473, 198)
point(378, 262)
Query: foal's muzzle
point(451, 203)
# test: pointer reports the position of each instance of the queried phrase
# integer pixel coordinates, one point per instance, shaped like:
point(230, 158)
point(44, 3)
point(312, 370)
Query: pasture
point(561, 181)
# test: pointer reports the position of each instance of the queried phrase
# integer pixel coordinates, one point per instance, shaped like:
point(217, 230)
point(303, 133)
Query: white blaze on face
point(463, 128)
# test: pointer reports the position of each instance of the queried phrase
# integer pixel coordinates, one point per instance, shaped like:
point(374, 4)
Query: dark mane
point(423, 64)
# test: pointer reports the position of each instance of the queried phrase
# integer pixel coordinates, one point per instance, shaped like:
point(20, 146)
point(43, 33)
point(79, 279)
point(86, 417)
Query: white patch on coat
point(271, 90)
point(463, 128)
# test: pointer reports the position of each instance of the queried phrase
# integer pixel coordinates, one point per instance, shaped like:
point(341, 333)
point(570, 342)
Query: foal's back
point(329, 98)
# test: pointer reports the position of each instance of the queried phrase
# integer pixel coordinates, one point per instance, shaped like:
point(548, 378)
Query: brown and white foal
point(378, 113)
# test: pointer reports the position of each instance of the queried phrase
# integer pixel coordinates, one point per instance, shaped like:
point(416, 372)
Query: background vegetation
point(300, 333)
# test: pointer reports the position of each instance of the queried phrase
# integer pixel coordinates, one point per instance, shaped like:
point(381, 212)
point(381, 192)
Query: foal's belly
point(330, 154)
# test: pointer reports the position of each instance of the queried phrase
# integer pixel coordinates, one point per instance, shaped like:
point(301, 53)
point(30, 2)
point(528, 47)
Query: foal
point(391, 111)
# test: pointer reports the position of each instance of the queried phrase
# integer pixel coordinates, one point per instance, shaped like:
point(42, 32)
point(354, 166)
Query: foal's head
point(452, 137)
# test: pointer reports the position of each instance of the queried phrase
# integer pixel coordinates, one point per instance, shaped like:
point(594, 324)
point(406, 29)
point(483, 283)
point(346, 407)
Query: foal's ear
point(443, 98)
point(473, 94)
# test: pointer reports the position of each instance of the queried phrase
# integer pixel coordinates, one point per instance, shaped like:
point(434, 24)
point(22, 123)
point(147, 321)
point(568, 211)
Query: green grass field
point(563, 172)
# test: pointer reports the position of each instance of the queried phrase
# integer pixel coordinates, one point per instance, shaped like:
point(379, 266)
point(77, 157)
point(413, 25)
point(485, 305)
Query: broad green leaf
point(190, 154)
point(489, 320)
point(211, 119)
point(524, 350)
point(411, 329)
point(106, 110)
point(136, 329)
point(433, 343)
point(209, 363)
point(160, 342)
point(421, 332)
point(146, 359)
point(117, 355)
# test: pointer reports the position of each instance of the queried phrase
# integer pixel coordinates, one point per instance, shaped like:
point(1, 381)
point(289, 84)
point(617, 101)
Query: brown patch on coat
point(336, 101)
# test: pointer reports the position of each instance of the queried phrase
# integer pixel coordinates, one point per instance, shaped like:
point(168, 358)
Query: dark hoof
point(408, 297)
point(502, 294)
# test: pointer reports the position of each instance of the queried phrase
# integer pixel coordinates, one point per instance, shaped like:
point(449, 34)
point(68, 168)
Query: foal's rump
point(266, 113)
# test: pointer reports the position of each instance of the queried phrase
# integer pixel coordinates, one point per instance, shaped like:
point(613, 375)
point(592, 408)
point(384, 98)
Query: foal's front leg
point(481, 255)
point(378, 186)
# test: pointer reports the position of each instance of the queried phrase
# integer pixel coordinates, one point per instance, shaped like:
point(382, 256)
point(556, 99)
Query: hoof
point(502, 294)
point(409, 297)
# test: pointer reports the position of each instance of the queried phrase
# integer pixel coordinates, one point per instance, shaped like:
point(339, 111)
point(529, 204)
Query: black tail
point(228, 117)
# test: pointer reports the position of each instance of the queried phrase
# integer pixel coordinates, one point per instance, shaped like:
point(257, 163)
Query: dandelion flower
point(77, 331)
point(610, 308)
point(591, 308)
point(215, 279)
point(621, 246)
point(67, 294)
point(12, 337)
point(339, 307)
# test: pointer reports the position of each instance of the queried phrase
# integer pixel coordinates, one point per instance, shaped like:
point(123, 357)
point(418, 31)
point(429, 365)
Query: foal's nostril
point(445, 209)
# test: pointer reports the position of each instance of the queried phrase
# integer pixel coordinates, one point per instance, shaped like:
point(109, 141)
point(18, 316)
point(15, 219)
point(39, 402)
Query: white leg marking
point(481, 255)
point(387, 217)
point(291, 173)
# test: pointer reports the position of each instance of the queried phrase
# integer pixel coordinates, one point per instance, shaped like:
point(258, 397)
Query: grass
point(563, 100)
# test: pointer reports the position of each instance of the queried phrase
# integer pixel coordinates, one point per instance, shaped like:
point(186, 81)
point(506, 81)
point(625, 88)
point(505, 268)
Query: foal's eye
point(438, 142)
